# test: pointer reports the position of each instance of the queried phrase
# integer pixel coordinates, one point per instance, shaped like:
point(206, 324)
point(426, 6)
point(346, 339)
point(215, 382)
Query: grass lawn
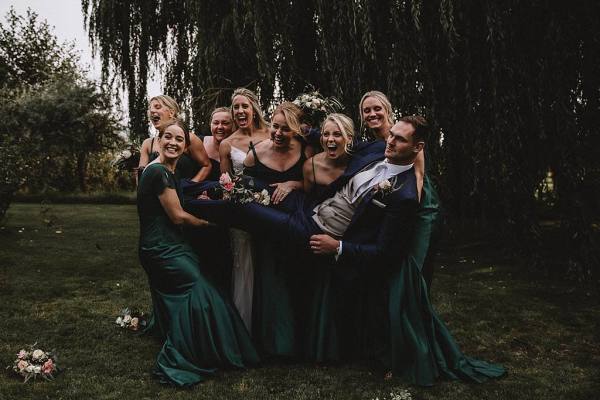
point(67, 270)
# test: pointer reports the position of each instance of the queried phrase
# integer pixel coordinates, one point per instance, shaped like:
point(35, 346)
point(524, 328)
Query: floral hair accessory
point(316, 107)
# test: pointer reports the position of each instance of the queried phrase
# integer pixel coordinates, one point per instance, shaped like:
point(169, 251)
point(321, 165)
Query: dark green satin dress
point(389, 316)
point(202, 331)
point(421, 346)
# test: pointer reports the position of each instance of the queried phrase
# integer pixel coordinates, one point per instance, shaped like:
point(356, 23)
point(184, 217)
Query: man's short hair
point(421, 126)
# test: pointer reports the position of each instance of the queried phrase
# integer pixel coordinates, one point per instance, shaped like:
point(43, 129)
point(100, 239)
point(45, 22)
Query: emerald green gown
point(390, 317)
point(202, 332)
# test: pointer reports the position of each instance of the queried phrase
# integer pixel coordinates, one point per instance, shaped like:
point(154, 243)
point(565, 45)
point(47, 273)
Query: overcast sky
point(66, 18)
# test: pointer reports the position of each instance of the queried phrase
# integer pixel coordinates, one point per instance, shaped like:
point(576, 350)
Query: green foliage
point(514, 87)
point(56, 123)
point(65, 290)
point(64, 123)
point(30, 53)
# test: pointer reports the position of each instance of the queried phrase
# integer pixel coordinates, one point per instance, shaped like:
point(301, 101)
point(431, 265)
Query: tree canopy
point(513, 86)
point(55, 120)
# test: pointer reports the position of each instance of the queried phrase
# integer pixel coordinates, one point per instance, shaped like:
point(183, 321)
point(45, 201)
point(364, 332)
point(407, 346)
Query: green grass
point(65, 289)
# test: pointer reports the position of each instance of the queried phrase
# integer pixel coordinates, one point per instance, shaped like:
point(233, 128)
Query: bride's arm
point(225, 158)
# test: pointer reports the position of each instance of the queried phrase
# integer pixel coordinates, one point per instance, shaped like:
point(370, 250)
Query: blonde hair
point(346, 127)
point(258, 119)
point(387, 107)
point(220, 109)
point(292, 114)
point(168, 102)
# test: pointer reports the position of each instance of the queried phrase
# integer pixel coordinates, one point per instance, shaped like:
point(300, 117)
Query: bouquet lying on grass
point(133, 320)
point(35, 363)
point(240, 189)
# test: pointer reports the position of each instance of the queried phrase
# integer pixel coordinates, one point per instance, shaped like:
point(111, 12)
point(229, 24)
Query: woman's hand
point(282, 189)
point(203, 196)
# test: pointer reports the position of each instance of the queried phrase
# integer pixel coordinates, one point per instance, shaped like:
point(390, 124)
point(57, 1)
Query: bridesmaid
point(278, 163)
point(337, 136)
point(221, 127)
point(330, 323)
point(251, 128)
point(376, 116)
point(194, 164)
point(213, 244)
point(202, 331)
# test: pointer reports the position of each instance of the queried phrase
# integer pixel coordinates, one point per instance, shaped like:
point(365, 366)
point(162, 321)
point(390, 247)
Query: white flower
point(37, 369)
point(127, 319)
point(38, 354)
point(266, 199)
point(119, 321)
point(29, 368)
point(316, 103)
point(126, 154)
point(385, 185)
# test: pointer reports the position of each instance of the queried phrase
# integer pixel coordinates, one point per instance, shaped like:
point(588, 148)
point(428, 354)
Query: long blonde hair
point(346, 127)
point(168, 102)
point(292, 114)
point(387, 107)
point(258, 119)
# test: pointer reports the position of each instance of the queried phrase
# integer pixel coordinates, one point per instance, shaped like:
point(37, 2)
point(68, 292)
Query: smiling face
point(401, 147)
point(373, 113)
point(221, 125)
point(172, 142)
point(243, 113)
point(159, 114)
point(281, 133)
point(333, 140)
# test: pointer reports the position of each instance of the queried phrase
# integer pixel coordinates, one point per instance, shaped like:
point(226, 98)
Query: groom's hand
point(324, 244)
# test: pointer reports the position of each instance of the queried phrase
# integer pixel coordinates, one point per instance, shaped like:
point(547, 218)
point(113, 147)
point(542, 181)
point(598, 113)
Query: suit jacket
point(382, 226)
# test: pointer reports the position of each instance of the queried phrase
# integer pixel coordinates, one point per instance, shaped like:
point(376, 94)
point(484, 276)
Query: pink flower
point(226, 181)
point(48, 367)
point(22, 355)
point(21, 365)
point(135, 324)
point(225, 178)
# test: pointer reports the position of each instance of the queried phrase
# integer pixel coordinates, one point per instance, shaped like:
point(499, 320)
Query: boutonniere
point(384, 187)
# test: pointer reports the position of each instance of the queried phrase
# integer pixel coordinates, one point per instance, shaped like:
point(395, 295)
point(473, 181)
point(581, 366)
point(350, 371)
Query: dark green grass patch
point(67, 270)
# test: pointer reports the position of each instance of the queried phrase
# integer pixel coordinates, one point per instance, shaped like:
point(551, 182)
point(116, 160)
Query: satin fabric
point(202, 332)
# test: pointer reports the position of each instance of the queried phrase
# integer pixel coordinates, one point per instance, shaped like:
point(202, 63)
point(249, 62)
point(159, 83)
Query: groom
point(367, 214)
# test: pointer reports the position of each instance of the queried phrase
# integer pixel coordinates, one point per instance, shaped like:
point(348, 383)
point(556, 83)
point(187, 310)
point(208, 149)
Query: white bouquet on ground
point(35, 363)
point(133, 320)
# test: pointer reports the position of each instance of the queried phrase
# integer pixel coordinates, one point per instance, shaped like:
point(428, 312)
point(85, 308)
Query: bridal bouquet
point(34, 363)
point(238, 189)
point(131, 319)
point(316, 107)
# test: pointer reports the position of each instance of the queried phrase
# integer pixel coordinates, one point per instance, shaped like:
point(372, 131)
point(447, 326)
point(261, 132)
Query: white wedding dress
point(241, 246)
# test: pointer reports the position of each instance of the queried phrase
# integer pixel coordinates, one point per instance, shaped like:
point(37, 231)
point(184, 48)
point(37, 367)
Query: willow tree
point(514, 87)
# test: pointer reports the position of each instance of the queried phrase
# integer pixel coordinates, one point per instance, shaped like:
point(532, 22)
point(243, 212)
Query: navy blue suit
point(378, 232)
